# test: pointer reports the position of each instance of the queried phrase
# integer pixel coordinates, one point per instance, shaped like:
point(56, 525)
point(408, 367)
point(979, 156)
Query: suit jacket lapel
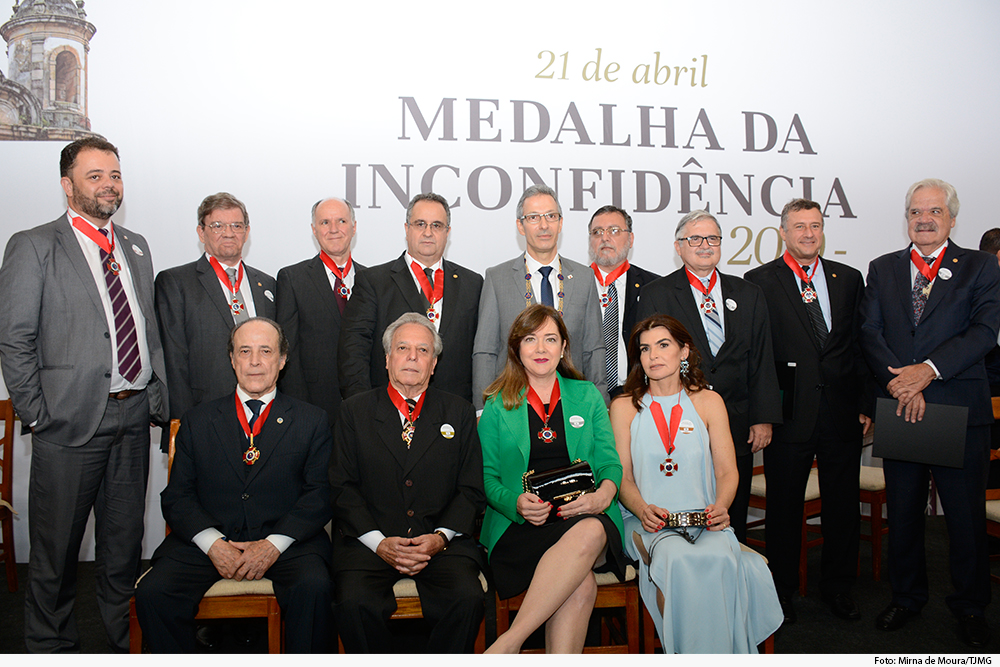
point(942, 288)
point(272, 433)
point(322, 289)
point(143, 290)
point(569, 284)
point(516, 425)
point(451, 296)
point(428, 428)
point(403, 278)
point(256, 290)
point(210, 281)
point(904, 285)
point(69, 244)
point(229, 437)
point(390, 428)
point(791, 288)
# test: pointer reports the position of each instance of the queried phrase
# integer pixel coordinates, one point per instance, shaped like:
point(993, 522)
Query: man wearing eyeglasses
point(618, 285)
point(727, 317)
point(419, 280)
point(540, 275)
point(198, 304)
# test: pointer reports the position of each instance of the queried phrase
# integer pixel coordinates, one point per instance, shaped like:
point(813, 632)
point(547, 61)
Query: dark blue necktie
point(547, 299)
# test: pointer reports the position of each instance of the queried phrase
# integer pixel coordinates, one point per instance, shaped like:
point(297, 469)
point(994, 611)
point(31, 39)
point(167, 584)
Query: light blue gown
point(717, 598)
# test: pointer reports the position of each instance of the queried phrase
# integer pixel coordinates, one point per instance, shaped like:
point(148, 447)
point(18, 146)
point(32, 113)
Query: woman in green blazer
point(541, 414)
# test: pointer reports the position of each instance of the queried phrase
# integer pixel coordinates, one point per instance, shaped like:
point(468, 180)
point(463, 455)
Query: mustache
point(925, 227)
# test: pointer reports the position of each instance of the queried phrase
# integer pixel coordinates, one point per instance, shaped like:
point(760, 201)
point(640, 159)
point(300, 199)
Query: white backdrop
point(284, 103)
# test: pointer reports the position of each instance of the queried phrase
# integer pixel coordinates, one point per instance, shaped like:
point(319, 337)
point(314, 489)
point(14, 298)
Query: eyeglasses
point(599, 232)
point(219, 227)
point(422, 225)
point(695, 241)
point(535, 218)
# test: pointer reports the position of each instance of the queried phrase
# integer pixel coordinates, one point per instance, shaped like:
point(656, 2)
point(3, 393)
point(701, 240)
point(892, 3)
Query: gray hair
point(798, 205)
point(349, 205)
point(220, 200)
point(534, 191)
point(429, 196)
point(694, 215)
point(411, 318)
point(950, 196)
point(282, 339)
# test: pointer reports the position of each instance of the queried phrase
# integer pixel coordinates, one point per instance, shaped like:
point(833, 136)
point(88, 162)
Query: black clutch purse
point(561, 485)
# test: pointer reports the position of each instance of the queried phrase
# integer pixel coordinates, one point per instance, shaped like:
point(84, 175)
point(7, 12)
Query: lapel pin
point(576, 421)
point(280, 420)
point(730, 304)
point(137, 250)
point(954, 260)
point(448, 431)
point(834, 275)
point(454, 275)
point(268, 294)
point(944, 273)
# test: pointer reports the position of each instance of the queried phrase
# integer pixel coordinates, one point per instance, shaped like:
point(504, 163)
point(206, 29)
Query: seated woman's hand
point(588, 503)
point(718, 517)
point(653, 518)
point(534, 510)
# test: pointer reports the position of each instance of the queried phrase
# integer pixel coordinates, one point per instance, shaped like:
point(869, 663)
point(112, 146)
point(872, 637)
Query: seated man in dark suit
point(407, 474)
point(248, 497)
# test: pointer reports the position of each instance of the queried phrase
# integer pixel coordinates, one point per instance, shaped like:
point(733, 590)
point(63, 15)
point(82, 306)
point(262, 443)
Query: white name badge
point(448, 431)
point(576, 421)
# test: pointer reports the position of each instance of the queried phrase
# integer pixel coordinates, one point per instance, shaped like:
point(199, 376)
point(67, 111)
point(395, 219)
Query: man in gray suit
point(83, 364)
point(540, 275)
point(198, 304)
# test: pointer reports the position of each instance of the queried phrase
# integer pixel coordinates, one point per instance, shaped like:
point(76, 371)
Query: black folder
point(938, 439)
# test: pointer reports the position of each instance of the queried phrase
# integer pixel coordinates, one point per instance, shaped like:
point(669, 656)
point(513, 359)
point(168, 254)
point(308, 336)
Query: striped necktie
point(713, 327)
point(129, 363)
point(611, 335)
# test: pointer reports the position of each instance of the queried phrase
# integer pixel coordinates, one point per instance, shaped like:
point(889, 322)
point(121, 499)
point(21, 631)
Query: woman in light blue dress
point(672, 434)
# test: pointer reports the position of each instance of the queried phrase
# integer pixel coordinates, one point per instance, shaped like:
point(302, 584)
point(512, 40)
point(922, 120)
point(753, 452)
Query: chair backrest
point(175, 425)
point(996, 407)
point(7, 450)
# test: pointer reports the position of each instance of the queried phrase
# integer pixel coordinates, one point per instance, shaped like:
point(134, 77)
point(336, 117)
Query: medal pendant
point(668, 467)
point(605, 300)
point(926, 290)
point(808, 295)
point(345, 291)
point(236, 306)
point(432, 314)
point(114, 267)
point(407, 434)
point(547, 434)
point(251, 455)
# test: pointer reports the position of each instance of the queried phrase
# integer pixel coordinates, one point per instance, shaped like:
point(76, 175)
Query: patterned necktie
point(921, 290)
point(243, 315)
point(408, 427)
point(611, 335)
point(716, 337)
point(126, 337)
point(814, 310)
point(547, 299)
point(341, 299)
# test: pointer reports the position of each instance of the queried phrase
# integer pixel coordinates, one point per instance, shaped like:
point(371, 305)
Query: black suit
point(195, 323)
point(825, 384)
point(286, 492)
point(383, 293)
point(742, 373)
point(379, 484)
point(310, 316)
point(957, 329)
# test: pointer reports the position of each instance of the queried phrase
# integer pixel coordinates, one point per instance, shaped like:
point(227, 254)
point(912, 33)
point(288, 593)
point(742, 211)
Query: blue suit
point(958, 327)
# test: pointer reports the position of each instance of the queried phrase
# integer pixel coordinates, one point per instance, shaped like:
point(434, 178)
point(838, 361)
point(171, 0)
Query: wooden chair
point(993, 526)
point(812, 507)
point(408, 607)
point(650, 640)
point(6, 483)
point(873, 493)
point(611, 594)
point(226, 598)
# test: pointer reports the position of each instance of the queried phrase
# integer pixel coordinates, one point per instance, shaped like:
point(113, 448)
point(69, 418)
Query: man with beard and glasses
point(618, 285)
point(199, 304)
point(83, 365)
